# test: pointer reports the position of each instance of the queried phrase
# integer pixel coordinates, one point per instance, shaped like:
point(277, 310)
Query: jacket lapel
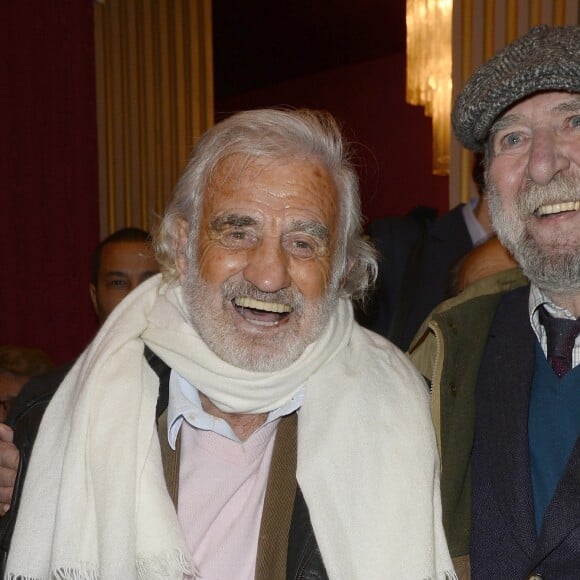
point(503, 395)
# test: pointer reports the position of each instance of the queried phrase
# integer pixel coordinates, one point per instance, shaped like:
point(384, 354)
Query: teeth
point(558, 207)
point(245, 302)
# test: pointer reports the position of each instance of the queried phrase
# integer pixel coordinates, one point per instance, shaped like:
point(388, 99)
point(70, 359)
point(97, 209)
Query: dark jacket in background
point(416, 256)
point(25, 417)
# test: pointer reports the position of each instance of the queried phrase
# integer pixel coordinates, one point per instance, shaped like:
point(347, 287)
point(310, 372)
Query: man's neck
point(242, 425)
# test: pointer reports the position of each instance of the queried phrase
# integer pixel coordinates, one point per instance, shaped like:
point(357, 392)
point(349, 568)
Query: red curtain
point(48, 161)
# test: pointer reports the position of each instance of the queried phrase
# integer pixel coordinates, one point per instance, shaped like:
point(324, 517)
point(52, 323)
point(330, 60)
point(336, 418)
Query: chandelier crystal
point(429, 70)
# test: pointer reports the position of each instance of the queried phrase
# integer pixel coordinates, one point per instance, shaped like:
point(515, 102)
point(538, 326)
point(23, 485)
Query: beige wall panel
point(155, 97)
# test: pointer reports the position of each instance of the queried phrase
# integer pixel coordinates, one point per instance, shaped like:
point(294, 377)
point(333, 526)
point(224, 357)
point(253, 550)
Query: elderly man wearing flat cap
point(504, 365)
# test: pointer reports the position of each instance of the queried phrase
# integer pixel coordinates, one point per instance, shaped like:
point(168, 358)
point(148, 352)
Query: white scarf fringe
point(81, 572)
point(170, 567)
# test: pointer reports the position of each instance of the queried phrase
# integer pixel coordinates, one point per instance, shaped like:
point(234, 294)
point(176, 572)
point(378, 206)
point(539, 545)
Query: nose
point(267, 266)
point(548, 157)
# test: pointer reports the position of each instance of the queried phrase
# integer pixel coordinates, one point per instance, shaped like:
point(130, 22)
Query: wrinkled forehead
point(291, 192)
point(236, 166)
point(308, 176)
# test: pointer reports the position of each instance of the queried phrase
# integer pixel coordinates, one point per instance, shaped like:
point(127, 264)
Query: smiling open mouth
point(261, 313)
point(555, 208)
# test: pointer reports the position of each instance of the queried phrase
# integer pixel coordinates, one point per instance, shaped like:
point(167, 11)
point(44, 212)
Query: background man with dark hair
point(417, 253)
point(121, 262)
point(17, 365)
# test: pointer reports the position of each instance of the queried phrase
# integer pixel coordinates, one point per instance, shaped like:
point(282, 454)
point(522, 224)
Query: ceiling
point(258, 43)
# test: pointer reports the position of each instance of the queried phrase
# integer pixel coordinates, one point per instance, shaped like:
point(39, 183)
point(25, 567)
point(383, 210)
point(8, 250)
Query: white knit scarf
point(95, 505)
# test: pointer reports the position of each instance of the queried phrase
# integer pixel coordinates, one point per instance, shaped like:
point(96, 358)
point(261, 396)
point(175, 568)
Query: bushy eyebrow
point(310, 227)
point(230, 220)
point(313, 228)
point(116, 273)
point(503, 123)
point(571, 106)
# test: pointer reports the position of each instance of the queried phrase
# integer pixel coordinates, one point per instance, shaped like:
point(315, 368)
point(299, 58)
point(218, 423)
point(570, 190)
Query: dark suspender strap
point(169, 458)
point(408, 287)
point(278, 504)
point(163, 371)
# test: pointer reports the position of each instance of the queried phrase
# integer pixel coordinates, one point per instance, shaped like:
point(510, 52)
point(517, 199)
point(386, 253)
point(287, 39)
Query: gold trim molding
point(154, 98)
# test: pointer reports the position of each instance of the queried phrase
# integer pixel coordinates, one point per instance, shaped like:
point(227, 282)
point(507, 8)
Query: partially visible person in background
point(483, 261)
point(122, 261)
point(417, 254)
point(17, 365)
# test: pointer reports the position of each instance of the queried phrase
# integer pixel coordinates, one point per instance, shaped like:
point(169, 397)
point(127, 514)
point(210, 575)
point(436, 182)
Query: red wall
point(48, 164)
point(393, 138)
point(48, 161)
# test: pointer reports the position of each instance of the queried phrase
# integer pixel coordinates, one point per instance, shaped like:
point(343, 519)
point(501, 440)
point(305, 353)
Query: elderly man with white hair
point(231, 420)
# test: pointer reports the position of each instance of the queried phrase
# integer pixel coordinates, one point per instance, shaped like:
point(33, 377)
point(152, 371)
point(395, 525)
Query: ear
point(181, 245)
point(93, 293)
point(350, 264)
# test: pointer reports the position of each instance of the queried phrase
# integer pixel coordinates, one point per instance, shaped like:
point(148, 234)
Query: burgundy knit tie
point(561, 334)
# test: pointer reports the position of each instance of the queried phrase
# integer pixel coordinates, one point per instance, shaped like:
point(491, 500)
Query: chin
point(554, 269)
point(259, 362)
point(263, 356)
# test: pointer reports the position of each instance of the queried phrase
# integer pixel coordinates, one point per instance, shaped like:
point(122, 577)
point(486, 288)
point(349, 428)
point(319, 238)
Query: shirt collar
point(539, 298)
point(476, 231)
point(185, 405)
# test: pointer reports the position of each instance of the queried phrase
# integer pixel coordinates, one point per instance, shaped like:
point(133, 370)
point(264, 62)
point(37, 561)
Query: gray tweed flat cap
point(544, 59)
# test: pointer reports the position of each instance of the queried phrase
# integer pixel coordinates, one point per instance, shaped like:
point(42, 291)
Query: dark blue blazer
point(415, 260)
point(504, 543)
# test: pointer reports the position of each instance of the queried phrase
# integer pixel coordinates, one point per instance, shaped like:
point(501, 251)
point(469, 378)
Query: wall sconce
point(429, 81)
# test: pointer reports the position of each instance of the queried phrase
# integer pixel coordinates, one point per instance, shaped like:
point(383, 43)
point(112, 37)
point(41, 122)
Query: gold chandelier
point(429, 70)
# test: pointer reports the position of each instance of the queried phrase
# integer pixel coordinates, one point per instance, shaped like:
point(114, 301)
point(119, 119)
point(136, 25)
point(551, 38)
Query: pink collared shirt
point(222, 483)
